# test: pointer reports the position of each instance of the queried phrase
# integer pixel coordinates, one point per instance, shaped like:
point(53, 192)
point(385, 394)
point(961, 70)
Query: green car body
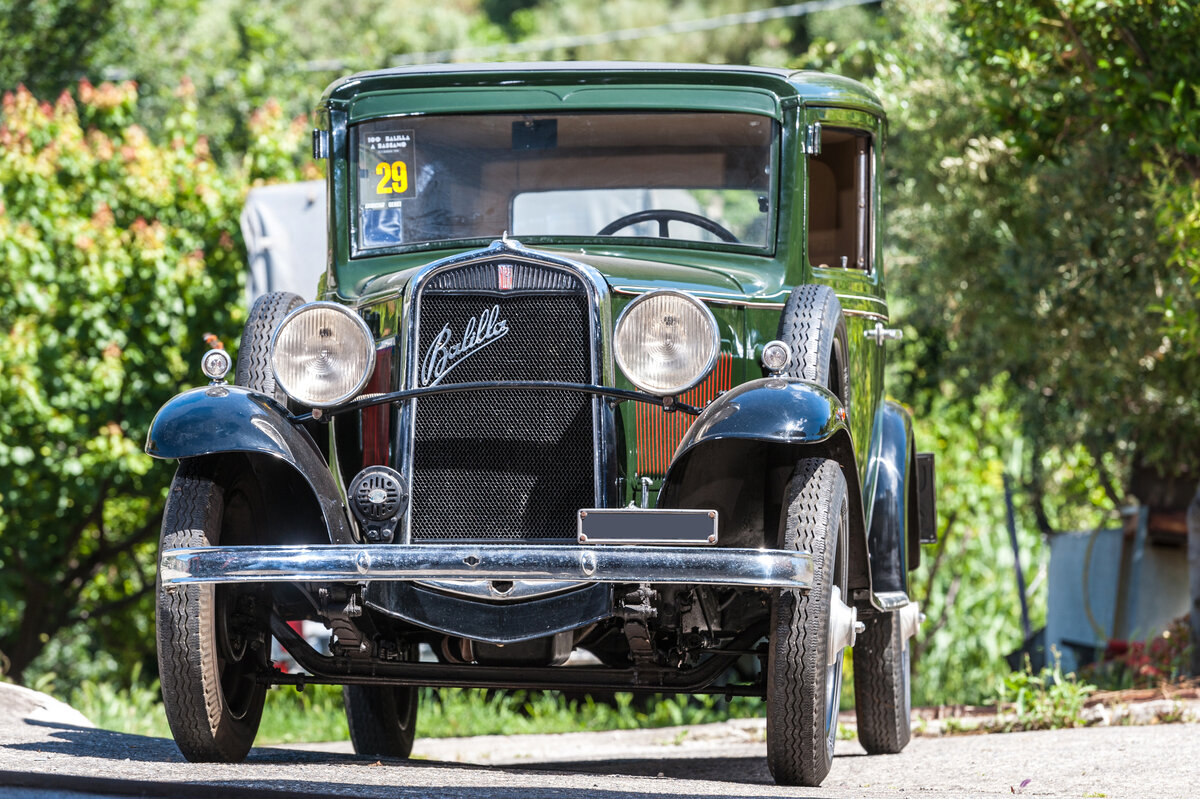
point(443, 187)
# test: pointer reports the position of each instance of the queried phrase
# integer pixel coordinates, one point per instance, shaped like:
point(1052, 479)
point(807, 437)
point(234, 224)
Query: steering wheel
point(663, 216)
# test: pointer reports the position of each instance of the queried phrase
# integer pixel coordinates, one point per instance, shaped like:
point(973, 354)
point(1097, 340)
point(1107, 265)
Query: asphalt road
point(44, 757)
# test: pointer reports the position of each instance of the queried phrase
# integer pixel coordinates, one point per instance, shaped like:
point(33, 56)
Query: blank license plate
point(637, 526)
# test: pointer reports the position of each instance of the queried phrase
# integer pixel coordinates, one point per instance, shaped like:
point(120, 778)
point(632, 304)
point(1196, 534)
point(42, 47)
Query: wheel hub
point(843, 626)
point(910, 620)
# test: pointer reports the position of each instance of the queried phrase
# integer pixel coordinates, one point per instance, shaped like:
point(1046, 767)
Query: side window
point(839, 201)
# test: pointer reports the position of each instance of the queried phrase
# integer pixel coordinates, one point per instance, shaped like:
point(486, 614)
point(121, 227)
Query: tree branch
point(1129, 39)
point(1106, 481)
point(111, 606)
point(919, 645)
point(940, 553)
point(87, 567)
point(96, 514)
point(1074, 34)
point(1035, 487)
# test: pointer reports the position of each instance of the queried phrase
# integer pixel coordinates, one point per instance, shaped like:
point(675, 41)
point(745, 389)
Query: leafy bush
point(119, 250)
point(1048, 700)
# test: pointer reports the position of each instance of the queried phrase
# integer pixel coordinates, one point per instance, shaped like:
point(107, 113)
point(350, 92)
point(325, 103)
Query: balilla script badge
point(442, 356)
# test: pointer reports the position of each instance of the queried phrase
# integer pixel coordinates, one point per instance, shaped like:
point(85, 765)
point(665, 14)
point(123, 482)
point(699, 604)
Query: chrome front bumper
point(754, 568)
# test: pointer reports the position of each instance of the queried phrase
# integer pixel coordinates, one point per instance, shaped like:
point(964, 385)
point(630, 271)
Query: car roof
point(807, 87)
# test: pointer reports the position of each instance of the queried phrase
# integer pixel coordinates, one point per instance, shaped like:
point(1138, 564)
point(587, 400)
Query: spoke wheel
point(804, 678)
point(211, 639)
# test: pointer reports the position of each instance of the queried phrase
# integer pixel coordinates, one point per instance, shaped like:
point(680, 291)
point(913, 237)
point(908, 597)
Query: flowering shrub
point(119, 248)
point(1145, 664)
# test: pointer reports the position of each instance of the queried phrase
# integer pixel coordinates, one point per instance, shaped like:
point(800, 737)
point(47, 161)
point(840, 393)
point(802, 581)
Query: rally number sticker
point(394, 154)
point(395, 177)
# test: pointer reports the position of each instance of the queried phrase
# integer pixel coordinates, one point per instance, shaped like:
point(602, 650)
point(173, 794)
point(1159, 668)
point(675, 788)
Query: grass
point(316, 714)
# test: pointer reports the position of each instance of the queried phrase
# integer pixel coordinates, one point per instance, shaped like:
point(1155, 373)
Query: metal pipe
point(754, 568)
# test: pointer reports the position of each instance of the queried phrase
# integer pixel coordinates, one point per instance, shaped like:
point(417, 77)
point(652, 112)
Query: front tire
point(803, 687)
point(382, 719)
point(211, 639)
point(882, 686)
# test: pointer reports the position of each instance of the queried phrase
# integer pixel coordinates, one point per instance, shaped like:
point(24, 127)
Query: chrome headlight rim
point(711, 321)
point(369, 349)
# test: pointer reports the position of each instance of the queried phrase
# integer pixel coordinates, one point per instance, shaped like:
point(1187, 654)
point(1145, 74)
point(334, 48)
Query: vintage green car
point(592, 400)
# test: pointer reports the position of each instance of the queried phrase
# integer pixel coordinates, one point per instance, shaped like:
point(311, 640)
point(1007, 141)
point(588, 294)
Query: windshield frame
point(767, 249)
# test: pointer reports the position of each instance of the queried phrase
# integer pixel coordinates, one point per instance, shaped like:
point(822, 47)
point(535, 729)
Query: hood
point(704, 274)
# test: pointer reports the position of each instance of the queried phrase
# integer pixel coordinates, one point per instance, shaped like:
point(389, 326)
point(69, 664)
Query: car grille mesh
point(513, 465)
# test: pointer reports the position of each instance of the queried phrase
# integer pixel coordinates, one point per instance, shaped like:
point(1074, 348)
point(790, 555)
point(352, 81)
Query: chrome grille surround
point(535, 273)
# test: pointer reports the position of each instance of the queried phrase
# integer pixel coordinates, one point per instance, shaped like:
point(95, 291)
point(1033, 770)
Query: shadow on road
point(91, 742)
point(137, 770)
point(739, 770)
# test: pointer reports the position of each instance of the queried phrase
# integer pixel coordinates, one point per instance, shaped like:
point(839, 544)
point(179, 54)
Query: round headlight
point(666, 342)
point(322, 354)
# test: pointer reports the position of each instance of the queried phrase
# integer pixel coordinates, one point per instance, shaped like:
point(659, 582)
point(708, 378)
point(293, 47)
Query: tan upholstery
point(823, 204)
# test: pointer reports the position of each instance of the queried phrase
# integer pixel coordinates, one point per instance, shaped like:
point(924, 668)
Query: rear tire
point(382, 719)
point(882, 686)
point(803, 689)
point(211, 639)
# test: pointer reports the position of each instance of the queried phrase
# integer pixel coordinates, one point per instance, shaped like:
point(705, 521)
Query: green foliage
point(1054, 272)
point(1098, 102)
point(243, 56)
point(1003, 323)
point(136, 710)
point(119, 252)
point(116, 250)
point(1048, 700)
point(456, 713)
point(967, 584)
point(768, 43)
point(1062, 73)
point(48, 45)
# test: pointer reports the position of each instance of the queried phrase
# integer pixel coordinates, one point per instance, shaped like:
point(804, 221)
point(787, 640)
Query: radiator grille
point(504, 464)
point(659, 432)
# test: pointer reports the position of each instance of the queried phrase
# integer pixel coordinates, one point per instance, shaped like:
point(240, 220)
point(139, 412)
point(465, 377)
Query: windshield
point(677, 176)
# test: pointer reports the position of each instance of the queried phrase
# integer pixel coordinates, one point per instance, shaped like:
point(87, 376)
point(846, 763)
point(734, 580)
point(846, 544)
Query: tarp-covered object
point(284, 228)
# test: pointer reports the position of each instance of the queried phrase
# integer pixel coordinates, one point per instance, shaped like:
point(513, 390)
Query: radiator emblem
point(442, 355)
point(505, 276)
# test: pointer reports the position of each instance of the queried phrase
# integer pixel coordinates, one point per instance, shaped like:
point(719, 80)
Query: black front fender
point(223, 419)
point(739, 453)
point(778, 409)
